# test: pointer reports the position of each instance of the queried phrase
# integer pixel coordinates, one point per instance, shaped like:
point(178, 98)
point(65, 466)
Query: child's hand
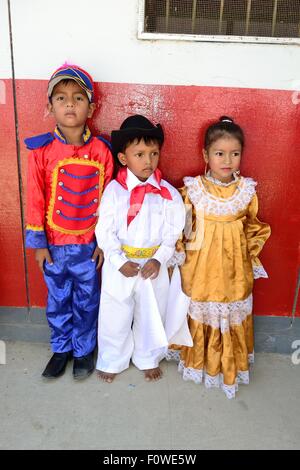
point(130, 269)
point(150, 269)
point(42, 254)
point(98, 253)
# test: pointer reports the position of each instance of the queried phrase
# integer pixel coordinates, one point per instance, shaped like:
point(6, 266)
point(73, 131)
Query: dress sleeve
point(257, 233)
point(179, 256)
point(105, 230)
point(35, 228)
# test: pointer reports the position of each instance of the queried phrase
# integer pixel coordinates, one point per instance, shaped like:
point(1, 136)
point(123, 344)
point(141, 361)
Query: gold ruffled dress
point(222, 240)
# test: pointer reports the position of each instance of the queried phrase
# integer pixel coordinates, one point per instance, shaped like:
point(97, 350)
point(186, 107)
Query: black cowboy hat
point(134, 127)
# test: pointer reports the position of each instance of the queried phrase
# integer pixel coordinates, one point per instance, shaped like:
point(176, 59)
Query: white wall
point(101, 35)
point(5, 60)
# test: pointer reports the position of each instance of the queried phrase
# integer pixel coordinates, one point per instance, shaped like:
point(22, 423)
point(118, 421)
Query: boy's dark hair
point(224, 127)
point(148, 141)
point(65, 82)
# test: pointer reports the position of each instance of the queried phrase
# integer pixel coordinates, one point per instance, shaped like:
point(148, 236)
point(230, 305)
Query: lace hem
point(259, 271)
point(243, 377)
point(188, 373)
point(210, 204)
point(177, 259)
point(251, 358)
point(221, 314)
point(199, 375)
point(172, 355)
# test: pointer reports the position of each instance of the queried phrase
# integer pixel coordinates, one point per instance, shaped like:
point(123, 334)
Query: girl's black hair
point(225, 126)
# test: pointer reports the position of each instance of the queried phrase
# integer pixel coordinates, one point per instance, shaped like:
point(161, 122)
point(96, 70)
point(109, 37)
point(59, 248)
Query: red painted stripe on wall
point(271, 124)
point(12, 272)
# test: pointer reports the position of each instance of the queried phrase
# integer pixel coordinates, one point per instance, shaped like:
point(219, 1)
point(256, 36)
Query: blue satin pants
point(73, 298)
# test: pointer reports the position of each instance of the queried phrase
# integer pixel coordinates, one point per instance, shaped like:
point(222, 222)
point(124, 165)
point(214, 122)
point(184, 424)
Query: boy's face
point(140, 158)
point(70, 106)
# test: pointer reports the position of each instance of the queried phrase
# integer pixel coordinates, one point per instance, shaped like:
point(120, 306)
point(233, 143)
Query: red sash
point(138, 193)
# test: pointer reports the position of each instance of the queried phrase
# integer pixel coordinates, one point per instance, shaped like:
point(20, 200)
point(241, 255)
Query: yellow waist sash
point(132, 252)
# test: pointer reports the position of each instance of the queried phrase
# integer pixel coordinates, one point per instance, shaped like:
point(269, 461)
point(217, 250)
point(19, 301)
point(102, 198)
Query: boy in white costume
point(142, 216)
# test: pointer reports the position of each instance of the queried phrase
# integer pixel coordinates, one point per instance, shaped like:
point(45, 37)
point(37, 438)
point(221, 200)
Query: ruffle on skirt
point(222, 345)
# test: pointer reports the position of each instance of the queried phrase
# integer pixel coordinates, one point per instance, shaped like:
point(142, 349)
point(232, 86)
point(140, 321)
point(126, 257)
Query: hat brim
point(54, 81)
point(120, 137)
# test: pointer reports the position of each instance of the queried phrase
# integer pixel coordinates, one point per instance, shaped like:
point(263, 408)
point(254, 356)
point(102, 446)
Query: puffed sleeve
point(257, 233)
point(35, 230)
point(179, 256)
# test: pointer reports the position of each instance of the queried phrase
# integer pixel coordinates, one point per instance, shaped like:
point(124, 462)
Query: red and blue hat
point(72, 72)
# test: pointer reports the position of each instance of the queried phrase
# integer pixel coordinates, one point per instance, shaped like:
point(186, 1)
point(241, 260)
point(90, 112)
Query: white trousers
point(133, 328)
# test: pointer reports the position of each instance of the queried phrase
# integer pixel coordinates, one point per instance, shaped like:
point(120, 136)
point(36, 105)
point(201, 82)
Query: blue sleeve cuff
point(36, 239)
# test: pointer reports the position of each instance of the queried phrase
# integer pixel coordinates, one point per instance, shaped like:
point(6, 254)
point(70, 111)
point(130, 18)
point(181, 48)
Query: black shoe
point(83, 366)
point(57, 365)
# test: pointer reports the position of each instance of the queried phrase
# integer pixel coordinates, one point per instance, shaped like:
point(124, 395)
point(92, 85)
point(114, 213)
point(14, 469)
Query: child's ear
point(92, 108)
point(50, 108)
point(122, 158)
point(205, 155)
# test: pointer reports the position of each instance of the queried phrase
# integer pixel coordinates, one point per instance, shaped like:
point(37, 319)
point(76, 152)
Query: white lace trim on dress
point(243, 377)
point(177, 259)
point(220, 183)
point(259, 271)
point(251, 358)
point(188, 373)
point(210, 204)
point(221, 314)
point(199, 375)
point(172, 355)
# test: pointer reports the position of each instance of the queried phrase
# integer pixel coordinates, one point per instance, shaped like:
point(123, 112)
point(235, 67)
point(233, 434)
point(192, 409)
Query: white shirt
point(159, 222)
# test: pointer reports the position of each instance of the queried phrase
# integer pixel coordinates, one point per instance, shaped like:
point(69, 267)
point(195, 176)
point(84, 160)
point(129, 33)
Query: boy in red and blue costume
point(67, 173)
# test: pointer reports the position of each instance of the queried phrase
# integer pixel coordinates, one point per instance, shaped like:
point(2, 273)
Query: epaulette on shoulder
point(37, 141)
point(107, 142)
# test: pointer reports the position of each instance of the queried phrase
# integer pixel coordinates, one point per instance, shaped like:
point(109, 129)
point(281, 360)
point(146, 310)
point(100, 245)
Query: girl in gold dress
point(220, 248)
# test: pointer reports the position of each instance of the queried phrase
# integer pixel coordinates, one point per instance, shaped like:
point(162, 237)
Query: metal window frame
point(141, 34)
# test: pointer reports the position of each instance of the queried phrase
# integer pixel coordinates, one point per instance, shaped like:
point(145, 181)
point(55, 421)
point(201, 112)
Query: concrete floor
point(133, 414)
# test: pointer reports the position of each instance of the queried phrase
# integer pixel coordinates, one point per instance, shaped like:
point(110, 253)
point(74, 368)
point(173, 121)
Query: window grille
point(221, 20)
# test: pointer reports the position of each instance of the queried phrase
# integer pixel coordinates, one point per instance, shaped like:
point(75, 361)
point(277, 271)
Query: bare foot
point(153, 374)
point(106, 376)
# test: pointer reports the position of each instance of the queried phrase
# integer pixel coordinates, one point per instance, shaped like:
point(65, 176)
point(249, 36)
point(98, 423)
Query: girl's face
point(223, 157)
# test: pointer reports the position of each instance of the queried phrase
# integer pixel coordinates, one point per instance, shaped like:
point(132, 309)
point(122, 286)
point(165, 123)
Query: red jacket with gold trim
point(65, 185)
